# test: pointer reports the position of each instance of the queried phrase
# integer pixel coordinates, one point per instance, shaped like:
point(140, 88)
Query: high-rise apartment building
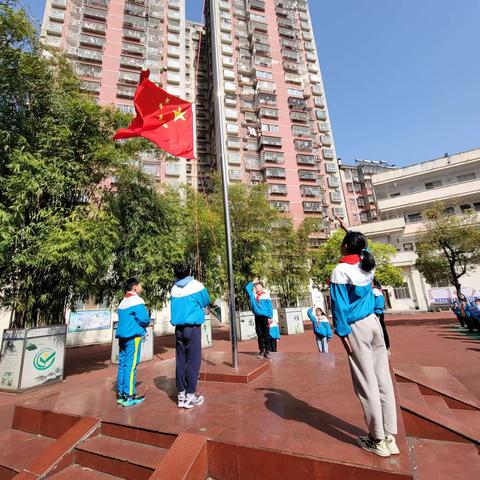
point(358, 191)
point(110, 41)
point(271, 116)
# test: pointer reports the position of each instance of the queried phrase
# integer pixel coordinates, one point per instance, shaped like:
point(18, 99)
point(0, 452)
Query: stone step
point(443, 460)
point(411, 393)
point(438, 404)
point(18, 449)
point(119, 457)
point(76, 472)
point(468, 417)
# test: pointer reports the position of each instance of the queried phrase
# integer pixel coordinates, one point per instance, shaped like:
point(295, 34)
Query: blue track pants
point(189, 356)
point(128, 358)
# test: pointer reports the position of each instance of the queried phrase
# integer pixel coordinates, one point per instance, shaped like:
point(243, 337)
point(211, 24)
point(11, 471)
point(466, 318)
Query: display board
point(245, 325)
point(32, 358)
point(290, 321)
point(88, 320)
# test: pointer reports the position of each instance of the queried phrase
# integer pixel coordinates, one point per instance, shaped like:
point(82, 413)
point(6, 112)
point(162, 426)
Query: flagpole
point(226, 206)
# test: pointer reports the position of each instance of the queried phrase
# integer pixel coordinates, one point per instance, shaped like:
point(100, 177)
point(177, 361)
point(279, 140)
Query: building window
point(466, 177)
point(350, 187)
point(476, 206)
point(436, 184)
point(402, 293)
point(408, 247)
point(465, 208)
point(449, 211)
point(415, 218)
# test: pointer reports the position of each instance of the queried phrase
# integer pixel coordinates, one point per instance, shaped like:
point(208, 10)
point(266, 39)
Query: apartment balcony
point(326, 140)
point(263, 86)
point(98, 3)
point(268, 113)
point(53, 41)
point(172, 169)
point(234, 158)
point(306, 160)
point(305, 26)
point(328, 153)
point(128, 77)
point(91, 55)
point(267, 141)
point(235, 174)
point(312, 207)
point(282, 12)
point(227, 50)
point(291, 55)
point(259, 38)
point(59, 3)
point(95, 13)
point(313, 68)
point(272, 156)
point(302, 6)
point(336, 197)
point(330, 167)
point(92, 41)
point(233, 143)
point(173, 39)
point(300, 116)
point(281, 206)
point(303, 145)
point(277, 189)
point(133, 35)
point(244, 67)
point(90, 87)
point(274, 172)
point(224, 5)
point(310, 46)
point(294, 78)
point(317, 90)
point(125, 92)
point(256, 26)
point(384, 227)
point(301, 131)
point(306, 191)
point(226, 27)
point(297, 103)
point(133, 49)
point(426, 198)
point(288, 33)
point(174, 51)
point(290, 44)
point(228, 74)
point(333, 182)
point(57, 15)
point(132, 62)
point(323, 127)
point(175, 4)
point(261, 49)
point(132, 9)
point(291, 66)
point(257, 5)
point(54, 28)
point(174, 27)
point(321, 115)
point(286, 23)
point(307, 175)
point(226, 38)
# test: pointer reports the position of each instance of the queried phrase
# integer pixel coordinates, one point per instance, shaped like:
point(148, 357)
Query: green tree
point(252, 223)
point(328, 255)
point(290, 272)
point(450, 246)
point(150, 236)
point(56, 153)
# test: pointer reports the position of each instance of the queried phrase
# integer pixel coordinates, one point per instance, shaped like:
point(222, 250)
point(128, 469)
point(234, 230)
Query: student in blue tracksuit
point(473, 313)
point(133, 320)
point(354, 321)
point(262, 308)
point(188, 300)
point(321, 328)
point(274, 334)
point(380, 310)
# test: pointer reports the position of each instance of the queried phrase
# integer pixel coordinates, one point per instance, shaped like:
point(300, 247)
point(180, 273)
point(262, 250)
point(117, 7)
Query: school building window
point(402, 293)
point(408, 247)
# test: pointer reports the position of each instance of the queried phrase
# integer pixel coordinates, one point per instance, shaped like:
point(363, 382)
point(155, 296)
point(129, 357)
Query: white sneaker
point(392, 444)
point(193, 400)
point(378, 448)
point(181, 399)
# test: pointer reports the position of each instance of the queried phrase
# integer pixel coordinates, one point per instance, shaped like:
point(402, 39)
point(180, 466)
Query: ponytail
point(367, 261)
point(356, 243)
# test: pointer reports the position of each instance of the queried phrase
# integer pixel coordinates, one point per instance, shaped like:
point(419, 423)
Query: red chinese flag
point(162, 118)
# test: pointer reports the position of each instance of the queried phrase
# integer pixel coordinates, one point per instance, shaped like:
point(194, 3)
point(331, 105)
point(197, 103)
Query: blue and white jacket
point(261, 305)
point(379, 301)
point(351, 294)
point(188, 299)
point(133, 318)
point(321, 326)
point(274, 330)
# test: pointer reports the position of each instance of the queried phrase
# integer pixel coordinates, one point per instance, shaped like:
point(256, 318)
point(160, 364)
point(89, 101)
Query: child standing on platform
point(133, 319)
point(353, 305)
point(321, 328)
point(188, 300)
point(262, 308)
point(274, 331)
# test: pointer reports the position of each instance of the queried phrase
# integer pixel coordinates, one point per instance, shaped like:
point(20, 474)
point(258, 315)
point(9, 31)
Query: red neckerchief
point(350, 259)
point(257, 297)
point(130, 294)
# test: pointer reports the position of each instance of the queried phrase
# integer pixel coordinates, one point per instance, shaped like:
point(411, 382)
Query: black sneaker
point(121, 399)
point(266, 354)
point(261, 353)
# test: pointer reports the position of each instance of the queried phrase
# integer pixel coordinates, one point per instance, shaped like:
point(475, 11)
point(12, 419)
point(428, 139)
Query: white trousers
point(322, 343)
point(371, 376)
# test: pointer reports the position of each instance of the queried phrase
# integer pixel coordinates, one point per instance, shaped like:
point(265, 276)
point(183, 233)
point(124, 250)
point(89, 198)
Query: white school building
point(401, 195)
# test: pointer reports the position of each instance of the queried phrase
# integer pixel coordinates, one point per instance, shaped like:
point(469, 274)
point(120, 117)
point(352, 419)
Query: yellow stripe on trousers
point(134, 364)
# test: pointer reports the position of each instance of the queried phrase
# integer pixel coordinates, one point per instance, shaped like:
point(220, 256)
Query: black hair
point(356, 243)
point(182, 270)
point(260, 283)
point(377, 284)
point(321, 309)
point(130, 283)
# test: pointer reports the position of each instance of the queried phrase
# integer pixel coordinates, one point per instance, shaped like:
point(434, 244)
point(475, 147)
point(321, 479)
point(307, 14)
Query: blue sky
point(402, 77)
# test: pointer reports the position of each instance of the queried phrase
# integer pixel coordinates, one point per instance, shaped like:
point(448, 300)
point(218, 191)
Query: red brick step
point(123, 458)
point(76, 472)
